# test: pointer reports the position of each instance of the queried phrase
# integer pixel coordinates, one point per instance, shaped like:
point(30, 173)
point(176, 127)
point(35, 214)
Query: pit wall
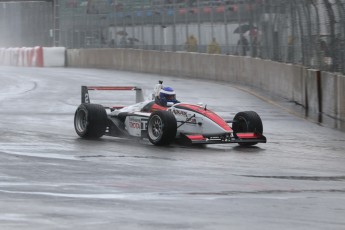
point(33, 56)
point(318, 92)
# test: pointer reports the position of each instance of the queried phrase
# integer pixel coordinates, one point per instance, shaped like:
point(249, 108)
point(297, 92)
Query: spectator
point(123, 42)
point(324, 48)
point(213, 47)
point(242, 45)
point(191, 44)
point(323, 57)
point(112, 43)
point(254, 34)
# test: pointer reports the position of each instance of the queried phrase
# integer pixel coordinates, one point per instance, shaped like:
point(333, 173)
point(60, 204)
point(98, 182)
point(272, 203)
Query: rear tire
point(162, 127)
point(247, 121)
point(90, 121)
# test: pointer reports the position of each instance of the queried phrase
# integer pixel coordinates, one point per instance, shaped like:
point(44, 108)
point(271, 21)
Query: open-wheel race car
point(164, 123)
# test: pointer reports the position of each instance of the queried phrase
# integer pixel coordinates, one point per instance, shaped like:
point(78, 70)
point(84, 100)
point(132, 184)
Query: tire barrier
point(33, 56)
point(318, 92)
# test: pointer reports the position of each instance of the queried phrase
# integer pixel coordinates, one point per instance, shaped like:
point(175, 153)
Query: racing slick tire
point(161, 128)
point(90, 120)
point(247, 121)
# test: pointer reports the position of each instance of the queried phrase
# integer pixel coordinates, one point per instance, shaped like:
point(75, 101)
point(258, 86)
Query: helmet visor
point(170, 97)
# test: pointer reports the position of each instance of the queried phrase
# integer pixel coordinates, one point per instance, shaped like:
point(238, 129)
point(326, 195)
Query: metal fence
point(306, 32)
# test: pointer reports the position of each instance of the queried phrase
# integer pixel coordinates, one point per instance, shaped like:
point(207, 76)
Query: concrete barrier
point(206, 64)
point(234, 69)
point(280, 81)
point(132, 60)
point(118, 59)
point(52, 56)
point(312, 91)
point(245, 71)
point(202, 68)
point(329, 92)
point(106, 57)
point(186, 65)
point(177, 64)
point(151, 61)
point(221, 67)
point(167, 63)
point(73, 57)
point(341, 101)
point(299, 82)
point(317, 93)
point(254, 73)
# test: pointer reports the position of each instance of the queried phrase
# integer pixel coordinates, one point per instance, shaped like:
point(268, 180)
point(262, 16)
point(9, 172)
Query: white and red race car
point(181, 122)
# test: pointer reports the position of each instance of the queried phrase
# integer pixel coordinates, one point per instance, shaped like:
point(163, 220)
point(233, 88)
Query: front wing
point(241, 138)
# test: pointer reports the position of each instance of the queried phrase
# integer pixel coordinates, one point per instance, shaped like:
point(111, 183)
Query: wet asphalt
point(52, 179)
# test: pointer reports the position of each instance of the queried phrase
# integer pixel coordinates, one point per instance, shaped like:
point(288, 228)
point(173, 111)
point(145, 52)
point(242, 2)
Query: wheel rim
point(155, 128)
point(81, 121)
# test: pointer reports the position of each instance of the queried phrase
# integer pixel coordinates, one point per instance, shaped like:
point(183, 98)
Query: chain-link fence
point(306, 32)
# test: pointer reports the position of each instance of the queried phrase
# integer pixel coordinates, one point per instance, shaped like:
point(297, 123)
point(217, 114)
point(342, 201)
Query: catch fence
point(306, 32)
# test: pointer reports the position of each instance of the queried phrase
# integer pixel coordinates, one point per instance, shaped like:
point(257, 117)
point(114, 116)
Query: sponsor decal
point(190, 119)
point(144, 124)
point(137, 123)
point(134, 123)
point(180, 112)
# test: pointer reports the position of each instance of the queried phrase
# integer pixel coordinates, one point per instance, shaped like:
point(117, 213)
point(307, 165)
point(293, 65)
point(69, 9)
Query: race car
point(179, 122)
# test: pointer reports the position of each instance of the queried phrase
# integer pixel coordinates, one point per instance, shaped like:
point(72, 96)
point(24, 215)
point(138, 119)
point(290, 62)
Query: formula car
point(179, 122)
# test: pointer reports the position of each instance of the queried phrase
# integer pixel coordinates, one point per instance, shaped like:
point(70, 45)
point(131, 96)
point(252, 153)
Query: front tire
point(162, 127)
point(247, 121)
point(90, 121)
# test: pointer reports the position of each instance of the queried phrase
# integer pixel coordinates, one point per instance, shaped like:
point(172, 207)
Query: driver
point(166, 95)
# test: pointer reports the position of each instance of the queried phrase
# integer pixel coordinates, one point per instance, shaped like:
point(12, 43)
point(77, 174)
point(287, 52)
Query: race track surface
point(52, 179)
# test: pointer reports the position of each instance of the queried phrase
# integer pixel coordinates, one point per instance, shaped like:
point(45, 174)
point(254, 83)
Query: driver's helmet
point(167, 94)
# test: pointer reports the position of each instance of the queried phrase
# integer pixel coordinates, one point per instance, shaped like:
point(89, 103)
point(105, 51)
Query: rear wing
point(85, 98)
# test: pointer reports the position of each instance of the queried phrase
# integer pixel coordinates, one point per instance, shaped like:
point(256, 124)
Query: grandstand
point(107, 6)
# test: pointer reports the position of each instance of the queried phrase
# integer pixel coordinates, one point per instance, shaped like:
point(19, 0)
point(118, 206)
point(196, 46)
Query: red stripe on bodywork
point(111, 88)
point(207, 113)
point(156, 107)
point(117, 107)
point(248, 135)
point(196, 137)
